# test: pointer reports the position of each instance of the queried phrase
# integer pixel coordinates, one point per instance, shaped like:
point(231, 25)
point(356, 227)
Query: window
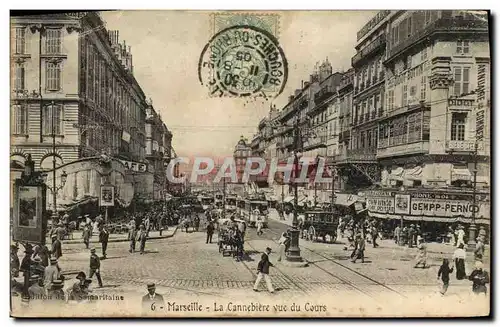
point(461, 80)
point(463, 47)
point(53, 76)
point(52, 114)
point(405, 96)
point(20, 40)
point(413, 91)
point(458, 126)
point(423, 55)
point(414, 127)
point(19, 77)
point(390, 99)
point(423, 88)
point(53, 41)
point(20, 119)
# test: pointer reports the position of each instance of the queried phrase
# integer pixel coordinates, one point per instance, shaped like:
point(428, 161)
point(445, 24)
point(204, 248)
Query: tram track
point(350, 270)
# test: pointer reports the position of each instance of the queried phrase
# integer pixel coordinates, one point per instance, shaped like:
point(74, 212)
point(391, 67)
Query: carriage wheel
point(312, 234)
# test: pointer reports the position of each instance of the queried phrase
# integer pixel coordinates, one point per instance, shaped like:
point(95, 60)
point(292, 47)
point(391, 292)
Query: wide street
point(184, 267)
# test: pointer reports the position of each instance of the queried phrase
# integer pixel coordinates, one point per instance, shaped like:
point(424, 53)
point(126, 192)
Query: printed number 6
point(153, 306)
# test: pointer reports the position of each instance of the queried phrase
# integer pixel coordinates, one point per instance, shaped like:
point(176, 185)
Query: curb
point(122, 239)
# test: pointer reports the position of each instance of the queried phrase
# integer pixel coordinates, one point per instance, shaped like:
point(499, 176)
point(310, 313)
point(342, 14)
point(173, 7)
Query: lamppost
point(54, 189)
point(472, 227)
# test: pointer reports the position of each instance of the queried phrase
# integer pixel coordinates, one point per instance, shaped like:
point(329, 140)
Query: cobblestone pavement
point(184, 267)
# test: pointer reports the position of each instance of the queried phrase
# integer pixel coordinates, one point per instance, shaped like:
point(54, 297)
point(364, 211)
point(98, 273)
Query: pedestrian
point(444, 272)
point(360, 250)
point(421, 258)
point(196, 223)
point(460, 235)
point(142, 236)
point(55, 292)
point(14, 260)
point(103, 238)
point(75, 286)
point(242, 227)
point(282, 246)
point(479, 250)
point(86, 236)
point(210, 232)
point(37, 291)
point(374, 232)
point(397, 235)
point(50, 274)
point(479, 278)
point(132, 234)
point(56, 247)
point(259, 226)
point(263, 273)
point(451, 235)
point(95, 267)
point(152, 301)
point(411, 235)
point(60, 231)
point(459, 258)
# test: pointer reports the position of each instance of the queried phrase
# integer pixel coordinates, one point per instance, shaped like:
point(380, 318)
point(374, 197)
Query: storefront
point(433, 210)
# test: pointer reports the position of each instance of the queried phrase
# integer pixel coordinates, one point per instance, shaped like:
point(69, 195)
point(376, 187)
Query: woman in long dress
point(459, 258)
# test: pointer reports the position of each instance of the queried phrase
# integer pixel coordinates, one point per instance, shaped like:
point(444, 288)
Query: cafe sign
point(380, 201)
point(447, 205)
point(135, 166)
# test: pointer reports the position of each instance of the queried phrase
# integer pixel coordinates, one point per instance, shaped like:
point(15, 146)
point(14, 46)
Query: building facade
point(73, 86)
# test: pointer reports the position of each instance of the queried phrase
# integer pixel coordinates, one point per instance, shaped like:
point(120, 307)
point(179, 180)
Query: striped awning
point(463, 220)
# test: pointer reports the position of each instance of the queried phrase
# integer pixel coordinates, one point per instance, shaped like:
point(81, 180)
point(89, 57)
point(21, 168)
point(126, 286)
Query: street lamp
point(54, 189)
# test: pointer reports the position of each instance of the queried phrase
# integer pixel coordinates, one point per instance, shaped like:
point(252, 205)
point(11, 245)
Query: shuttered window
point(52, 114)
point(20, 119)
point(53, 44)
point(19, 75)
point(20, 40)
point(53, 76)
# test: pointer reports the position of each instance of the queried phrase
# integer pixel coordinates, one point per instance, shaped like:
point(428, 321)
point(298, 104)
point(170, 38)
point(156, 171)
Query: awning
point(288, 199)
point(345, 199)
point(461, 174)
point(450, 220)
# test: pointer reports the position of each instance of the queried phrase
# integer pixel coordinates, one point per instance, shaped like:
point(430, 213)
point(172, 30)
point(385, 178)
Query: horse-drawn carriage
point(228, 239)
point(319, 223)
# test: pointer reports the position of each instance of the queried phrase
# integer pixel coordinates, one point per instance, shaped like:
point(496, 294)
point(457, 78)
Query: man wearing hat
point(14, 260)
point(26, 262)
point(103, 238)
point(479, 278)
point(360, 249)
point(60, 231)
point(152, 297)
point(50, 274)
point(142, 236)
point(95, 267)
point(36, 291)
point(86, 234)
point(74, 289)
point(411, 236)
point(56, 247)
point(56, 292)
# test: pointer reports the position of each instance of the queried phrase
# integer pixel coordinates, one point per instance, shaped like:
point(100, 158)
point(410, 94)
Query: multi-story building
point(436, 64)
point(359, 167)
point(73, 84)
point(242, 151)
point(345, 95)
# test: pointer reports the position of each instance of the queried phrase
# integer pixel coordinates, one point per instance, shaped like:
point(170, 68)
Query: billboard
point(29, 221)
point(107, 196)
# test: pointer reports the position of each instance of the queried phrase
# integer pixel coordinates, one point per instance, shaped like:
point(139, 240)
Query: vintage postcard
point(250, 164)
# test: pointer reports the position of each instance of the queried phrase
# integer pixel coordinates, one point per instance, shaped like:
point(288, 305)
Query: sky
point(166, 48)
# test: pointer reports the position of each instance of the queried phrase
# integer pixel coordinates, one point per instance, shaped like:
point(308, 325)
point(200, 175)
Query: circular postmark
point(243, 61)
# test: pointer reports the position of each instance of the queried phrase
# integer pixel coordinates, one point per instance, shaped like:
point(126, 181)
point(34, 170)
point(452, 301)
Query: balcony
point(368, 155)
point(443, 25)
point(403, 149)
point(460, 146)
point(371, 49)
point(323, 94)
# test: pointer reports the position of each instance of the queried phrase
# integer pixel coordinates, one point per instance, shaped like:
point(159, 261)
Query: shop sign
point(380, 201)
point(135, 166)
point(447, 205)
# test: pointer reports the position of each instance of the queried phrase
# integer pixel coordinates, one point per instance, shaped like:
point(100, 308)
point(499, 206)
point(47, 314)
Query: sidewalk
point(113, 238)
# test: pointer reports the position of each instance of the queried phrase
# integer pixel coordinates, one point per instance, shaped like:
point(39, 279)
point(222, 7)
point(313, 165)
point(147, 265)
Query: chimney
point(306, 84)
